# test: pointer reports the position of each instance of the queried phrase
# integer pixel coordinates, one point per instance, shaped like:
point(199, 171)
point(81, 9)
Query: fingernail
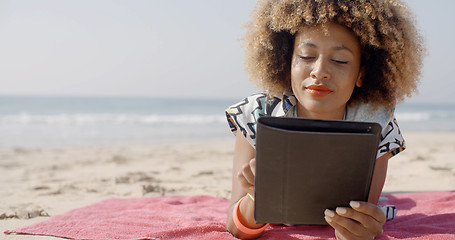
point(329, 213)
point(341, 210)
point(328, 219)
point(251, 188)
point(354, 204)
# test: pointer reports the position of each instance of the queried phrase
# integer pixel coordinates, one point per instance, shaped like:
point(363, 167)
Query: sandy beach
point(37, 183)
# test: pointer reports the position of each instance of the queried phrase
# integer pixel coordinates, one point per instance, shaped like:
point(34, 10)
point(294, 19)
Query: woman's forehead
point(331, 33)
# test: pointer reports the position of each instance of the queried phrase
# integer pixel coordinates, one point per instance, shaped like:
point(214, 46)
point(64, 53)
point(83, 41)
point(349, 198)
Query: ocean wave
point(80, 119)
point(119, 119)
point(425, 116)
point(413, 116)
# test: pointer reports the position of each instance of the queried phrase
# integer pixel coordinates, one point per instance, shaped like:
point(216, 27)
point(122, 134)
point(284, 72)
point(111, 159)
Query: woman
point(351, 60)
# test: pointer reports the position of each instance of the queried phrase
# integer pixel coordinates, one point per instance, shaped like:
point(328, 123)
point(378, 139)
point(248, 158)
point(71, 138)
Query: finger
point(367, 222)
point(369, 209)
point(341, 232)
point(347, 227)
point(247, 173)
point(247, 186)
point(339, 236)
point(253, 166)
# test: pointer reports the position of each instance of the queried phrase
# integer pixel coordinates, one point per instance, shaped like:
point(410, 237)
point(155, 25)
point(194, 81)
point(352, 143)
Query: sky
point(161, 48)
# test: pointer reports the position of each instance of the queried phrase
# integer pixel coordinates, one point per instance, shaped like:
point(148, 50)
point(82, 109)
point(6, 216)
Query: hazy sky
point(163, 48)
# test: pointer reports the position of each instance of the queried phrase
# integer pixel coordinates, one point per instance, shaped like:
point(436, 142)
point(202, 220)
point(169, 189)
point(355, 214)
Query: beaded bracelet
point(242, 228)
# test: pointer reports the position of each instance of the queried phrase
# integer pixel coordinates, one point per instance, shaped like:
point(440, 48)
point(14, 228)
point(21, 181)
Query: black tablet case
point(304, 166)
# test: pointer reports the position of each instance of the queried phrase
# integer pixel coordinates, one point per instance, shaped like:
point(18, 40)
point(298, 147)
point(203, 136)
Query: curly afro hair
point(392, 48)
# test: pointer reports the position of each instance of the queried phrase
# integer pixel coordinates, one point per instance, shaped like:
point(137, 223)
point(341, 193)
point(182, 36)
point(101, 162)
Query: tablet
point(304, 166)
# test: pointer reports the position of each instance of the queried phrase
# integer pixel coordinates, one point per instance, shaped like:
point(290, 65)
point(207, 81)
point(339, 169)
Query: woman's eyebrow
point(306, 44)
point(310, 44)
point(342, 47)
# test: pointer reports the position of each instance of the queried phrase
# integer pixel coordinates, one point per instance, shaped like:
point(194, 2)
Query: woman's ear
point(359, 81)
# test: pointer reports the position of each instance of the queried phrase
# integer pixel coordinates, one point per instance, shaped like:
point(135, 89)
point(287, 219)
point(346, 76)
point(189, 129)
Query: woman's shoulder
point(392, 140)
point(364, 112)
point(244, 114)
point(264, 103)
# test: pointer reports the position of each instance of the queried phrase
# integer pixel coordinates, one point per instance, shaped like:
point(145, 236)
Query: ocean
point(79, 121)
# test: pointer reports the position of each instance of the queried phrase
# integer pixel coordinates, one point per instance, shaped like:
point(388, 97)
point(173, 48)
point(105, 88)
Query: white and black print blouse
point(243, 116)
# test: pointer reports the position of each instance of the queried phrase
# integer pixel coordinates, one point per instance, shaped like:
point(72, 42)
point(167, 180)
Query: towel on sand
point(429, 215)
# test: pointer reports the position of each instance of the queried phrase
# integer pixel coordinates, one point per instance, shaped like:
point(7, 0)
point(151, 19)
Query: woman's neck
point(337, 114)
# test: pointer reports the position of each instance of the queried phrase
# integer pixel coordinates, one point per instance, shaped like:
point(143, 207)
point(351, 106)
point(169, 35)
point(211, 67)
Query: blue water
point(426, 117)
point(75, 121)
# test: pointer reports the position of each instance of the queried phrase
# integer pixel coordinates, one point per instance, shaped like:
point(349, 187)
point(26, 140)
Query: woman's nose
point(320, 69)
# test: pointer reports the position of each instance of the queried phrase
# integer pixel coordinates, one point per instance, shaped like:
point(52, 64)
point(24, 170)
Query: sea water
point(75, 121)
point(78, 121)
point(426, 116)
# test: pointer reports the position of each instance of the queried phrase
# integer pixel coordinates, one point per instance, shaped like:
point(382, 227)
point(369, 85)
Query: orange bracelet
point(242, 228)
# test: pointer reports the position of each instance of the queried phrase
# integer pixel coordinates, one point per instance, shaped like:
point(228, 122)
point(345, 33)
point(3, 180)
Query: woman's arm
point(379, 175)
point(242, 183)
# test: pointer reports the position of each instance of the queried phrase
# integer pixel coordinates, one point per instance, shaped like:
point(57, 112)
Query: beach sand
point(37, 183)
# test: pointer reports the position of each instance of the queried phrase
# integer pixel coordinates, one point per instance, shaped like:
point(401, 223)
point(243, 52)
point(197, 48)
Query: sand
point(37, 183)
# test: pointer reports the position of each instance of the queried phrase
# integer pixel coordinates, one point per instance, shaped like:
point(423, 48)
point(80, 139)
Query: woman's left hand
point(363, 221)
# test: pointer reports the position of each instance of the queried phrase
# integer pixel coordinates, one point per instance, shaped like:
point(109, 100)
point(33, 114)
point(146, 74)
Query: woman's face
point(325, 69)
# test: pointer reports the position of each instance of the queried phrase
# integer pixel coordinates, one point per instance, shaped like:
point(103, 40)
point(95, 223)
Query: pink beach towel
point(429, 215)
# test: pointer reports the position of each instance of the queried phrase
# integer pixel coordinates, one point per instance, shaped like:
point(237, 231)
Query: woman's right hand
point(246, 176)
point(243, 172)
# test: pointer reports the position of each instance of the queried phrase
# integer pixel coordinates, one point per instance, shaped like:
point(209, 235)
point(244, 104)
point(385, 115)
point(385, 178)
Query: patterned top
point(243, 116)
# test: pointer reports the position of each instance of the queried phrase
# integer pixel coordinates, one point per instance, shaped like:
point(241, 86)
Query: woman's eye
point(340, 62)
point(307, 57)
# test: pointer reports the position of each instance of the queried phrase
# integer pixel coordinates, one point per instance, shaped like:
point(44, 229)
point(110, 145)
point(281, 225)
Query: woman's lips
point(318, 90)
